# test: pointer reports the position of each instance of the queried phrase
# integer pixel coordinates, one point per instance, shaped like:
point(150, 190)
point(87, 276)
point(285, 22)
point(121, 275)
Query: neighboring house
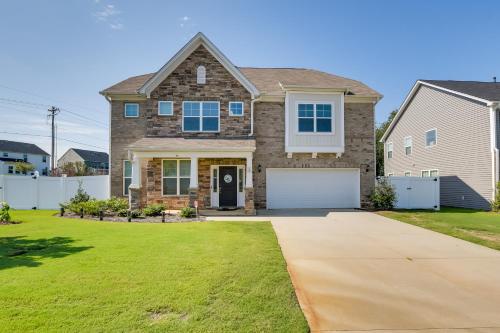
point(200, 129)
point(449, 129)
point(13, 151)
point(96, 161)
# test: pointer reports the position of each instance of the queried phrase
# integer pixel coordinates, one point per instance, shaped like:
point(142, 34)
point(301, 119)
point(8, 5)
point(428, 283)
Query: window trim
point(405, 146)
point(123, 176)
point(436, 136)
point(242, 109)
point(201, 75)
point(429, 171)
point(44, 158)
point(166, 115)
point(5, 154)
point(177, 177)
point(392, 150)
point(407, 172)
point(201, 117)
point(125, 110)
point(314, 103)
point(390, 174)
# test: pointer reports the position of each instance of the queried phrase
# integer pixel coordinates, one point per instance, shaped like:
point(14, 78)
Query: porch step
point(216, 212)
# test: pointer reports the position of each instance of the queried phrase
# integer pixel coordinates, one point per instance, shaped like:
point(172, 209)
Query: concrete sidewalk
point(358, 271)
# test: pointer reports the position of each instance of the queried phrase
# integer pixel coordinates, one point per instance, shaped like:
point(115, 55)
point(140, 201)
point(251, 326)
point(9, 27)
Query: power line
point(48, 136)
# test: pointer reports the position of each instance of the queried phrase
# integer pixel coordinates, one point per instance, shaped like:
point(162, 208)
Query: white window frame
point(436, 136)
point(406, 146)
point(201, 75)
point(314, 117)
point(242, 109)
point(201, 117)
point(391, 150)
point(407, 173)
point(125, 110)
point(432, 170)
point(125, 190)
point(178, 177)
point(390, 174)
point(422, 173)
point(171, 106)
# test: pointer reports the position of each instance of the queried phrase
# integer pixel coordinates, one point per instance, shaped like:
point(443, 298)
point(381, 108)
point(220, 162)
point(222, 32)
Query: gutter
point(494, 149)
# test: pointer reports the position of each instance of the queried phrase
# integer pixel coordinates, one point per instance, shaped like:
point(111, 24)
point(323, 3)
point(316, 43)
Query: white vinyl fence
point(416, 192)
point(24, 192)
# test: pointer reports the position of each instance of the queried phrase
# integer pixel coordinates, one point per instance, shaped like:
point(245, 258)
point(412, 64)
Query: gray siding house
point(448, 129)
point(96, 161)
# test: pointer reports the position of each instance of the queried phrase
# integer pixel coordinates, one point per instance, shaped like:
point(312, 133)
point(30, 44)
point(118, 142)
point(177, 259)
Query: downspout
point(109, 145)
point(251, 113)
point(494, 149)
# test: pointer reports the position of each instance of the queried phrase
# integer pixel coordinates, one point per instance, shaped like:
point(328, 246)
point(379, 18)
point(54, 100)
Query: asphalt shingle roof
point(92, 156)
point(21, 147)
point(485, 90)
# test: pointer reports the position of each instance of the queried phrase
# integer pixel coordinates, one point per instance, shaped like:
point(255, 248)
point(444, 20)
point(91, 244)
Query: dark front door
point(228, 191)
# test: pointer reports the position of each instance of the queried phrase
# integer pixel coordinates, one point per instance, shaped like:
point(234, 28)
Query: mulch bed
point(9, 222)
point(147, 219)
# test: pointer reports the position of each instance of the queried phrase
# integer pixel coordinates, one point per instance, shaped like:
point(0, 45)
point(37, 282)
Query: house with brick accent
point(201, 129)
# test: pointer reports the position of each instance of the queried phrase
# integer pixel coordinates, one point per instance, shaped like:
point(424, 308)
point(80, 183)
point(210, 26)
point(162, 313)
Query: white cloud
point(110, 15)
point(186, 22)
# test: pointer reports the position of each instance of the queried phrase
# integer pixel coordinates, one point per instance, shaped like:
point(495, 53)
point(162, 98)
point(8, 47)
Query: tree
point(73, 169)
point(24, 167)
point(379, 132)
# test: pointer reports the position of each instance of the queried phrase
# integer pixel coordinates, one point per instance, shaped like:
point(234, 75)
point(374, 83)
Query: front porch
point(180, 174)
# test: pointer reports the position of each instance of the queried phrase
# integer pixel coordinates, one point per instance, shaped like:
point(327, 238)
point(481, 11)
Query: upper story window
point(165, 108)
point(431, 138)
point(236, 109)
point(200, 116)
point(25, 157)
point(44, 159)
point(407, 173)
point(131, 110)
point(314, 118)
point(5, 154)
point(389, 149)
point(201, 75)
point(408, 145)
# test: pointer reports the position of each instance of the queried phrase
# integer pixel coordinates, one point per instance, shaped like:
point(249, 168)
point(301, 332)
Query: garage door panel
point(312, 188)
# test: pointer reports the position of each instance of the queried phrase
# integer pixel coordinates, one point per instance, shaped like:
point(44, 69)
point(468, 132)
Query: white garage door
point(312, 188)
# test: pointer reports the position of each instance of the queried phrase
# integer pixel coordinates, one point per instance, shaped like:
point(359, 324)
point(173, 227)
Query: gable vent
point(201, 75)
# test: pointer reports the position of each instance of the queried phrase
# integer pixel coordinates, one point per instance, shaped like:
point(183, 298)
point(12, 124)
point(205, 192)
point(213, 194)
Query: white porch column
point(136, 172)
point(194, 173)
point(249, 173)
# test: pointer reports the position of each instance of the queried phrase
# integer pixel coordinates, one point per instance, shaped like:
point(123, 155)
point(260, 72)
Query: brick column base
point(249, 201)
point(134, 198)
point(193, 196)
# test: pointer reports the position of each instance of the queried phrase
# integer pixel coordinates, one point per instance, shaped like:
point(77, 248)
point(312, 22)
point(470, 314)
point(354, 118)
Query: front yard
point(73, 275)
point(471, 225)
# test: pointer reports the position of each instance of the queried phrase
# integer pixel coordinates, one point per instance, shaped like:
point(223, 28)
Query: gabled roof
point(91, 155)
point(179, 57)
point(21, 147)
point(483, 92)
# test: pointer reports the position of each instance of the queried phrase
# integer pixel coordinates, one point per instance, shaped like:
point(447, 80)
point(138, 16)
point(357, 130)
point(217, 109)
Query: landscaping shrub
point(384, 195)
point(495, 204)
point(93, 207)
point(153, 209)
point(135, 213)
point(81, 195)
point(115, 204)
point(123, 212)
point(4, 212)
point(187, 212)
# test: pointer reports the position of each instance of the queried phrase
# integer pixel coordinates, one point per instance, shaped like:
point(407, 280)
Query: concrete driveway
point(358, 271)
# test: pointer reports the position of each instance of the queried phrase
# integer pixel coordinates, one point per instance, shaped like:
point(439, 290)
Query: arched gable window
point(201, 75)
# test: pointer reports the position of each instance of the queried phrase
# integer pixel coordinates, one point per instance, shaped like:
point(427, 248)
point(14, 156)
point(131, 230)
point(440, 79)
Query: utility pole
point(53, 111)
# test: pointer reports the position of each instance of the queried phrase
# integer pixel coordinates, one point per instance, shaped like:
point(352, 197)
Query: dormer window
point(201, 75)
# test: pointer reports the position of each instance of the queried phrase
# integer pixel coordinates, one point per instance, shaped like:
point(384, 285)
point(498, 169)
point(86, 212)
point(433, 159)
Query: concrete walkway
point(357, 271)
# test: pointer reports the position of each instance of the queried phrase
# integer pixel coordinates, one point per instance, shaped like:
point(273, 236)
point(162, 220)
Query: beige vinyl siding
point(462, 153)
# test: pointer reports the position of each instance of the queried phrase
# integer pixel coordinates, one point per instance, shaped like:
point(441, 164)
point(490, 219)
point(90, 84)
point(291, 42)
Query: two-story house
point(96, 161)
point(449, 129)
point(14, 151)
point(202, 130)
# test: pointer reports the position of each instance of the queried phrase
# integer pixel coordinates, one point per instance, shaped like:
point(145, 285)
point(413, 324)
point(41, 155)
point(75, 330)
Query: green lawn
point(471, 225)
point(82, 276)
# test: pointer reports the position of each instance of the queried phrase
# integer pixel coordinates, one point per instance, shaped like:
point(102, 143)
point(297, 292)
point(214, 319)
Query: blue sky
point(63, 52)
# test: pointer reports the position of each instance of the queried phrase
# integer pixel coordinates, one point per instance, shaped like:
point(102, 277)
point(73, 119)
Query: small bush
point(187, 212)
point(384, 195)
point(495, 204)
point(153, 209)
point(123, 212)
point(4, 212)
point(135, 213)
point(115, 204)
point(81, 195)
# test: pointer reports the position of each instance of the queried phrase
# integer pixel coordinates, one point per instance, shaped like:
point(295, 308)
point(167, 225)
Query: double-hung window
point(236, 109)
point(201, 116)
point(176, 177)
point(25, 157)
point(165, 108)
point(407, 173)
point(430, 138)
point(127, 176)
point(408, 145)
point(44, 159)
point(430, 173)
point(389, 150)
point(314, 118)
point(131, 110)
